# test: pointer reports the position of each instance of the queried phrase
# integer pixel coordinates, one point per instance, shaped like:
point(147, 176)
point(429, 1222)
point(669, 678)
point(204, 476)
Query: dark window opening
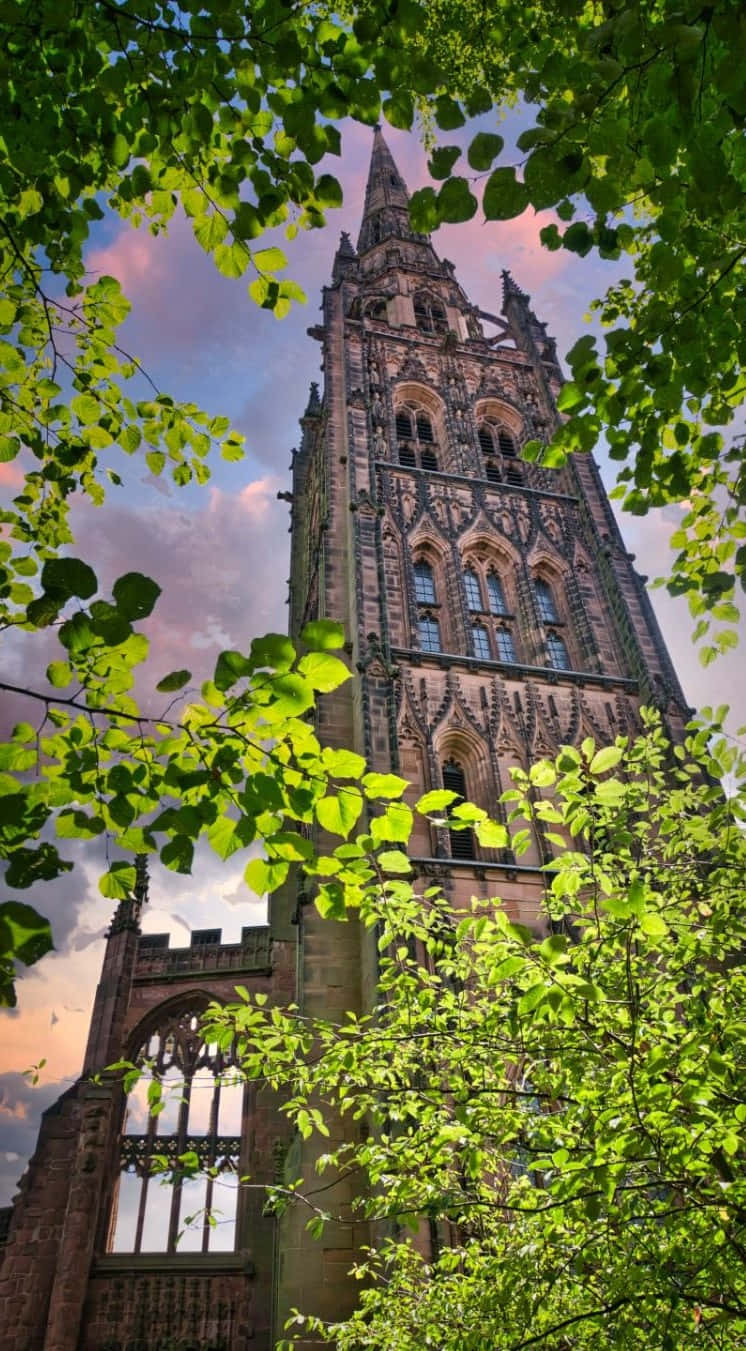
point(486, 443)
point(513, 475)
point(424, 428)
point(424, 583)
point(428, 460)
point(492, 472)
point(506, 443)
point(403, 424)
point(407, 457)
point(462, 841)
point(203, 937)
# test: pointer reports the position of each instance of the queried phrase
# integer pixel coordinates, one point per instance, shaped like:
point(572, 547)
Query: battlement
point(158, 961)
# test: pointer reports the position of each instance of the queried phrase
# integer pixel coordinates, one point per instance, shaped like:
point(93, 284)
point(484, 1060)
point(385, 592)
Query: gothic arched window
point(429, 631)
point(424, 428)
point(424, 583)
point(462, 841)
point(429, 314)
point(194, 1139)
point(545, 601)
point(514, 476)
point(505, 645)
point(472, 589)
point(492, 472)
point(416, 437)
point(429, 461)
point(481, 642)
point(557, 654)
point(407, 457)
point(505, 442)
point(486, 443)
point(496, 595)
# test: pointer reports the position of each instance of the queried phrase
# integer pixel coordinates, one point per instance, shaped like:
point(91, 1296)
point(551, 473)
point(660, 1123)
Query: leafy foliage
point(563, 1104)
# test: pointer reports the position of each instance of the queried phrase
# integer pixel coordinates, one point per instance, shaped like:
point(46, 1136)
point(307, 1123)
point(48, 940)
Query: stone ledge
point(204, 1264)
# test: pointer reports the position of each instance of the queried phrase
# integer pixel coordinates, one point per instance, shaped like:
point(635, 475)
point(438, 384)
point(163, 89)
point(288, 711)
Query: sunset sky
point(221, 553)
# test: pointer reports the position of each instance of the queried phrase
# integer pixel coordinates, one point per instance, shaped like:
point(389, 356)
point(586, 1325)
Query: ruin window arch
point(557, 655)
point(201, 1118)
point(454, 779)
point(424, 583)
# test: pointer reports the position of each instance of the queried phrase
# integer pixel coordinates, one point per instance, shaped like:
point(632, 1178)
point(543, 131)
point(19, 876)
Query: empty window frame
point(545, 601)
point(429, 631)
point(429, 314)
point(557, 654)
point(424, 583)
point(202, 1116)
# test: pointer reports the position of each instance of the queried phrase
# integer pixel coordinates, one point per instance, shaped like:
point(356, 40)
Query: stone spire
point(386, 210)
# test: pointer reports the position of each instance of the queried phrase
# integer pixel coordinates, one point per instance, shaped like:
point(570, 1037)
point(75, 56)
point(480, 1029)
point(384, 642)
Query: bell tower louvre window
point(462, 841)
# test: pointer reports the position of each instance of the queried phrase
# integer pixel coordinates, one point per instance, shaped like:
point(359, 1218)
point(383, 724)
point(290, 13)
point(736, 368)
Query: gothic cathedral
point(493, 614)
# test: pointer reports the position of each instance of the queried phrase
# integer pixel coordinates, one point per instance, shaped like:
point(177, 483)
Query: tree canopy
point(563, 1115)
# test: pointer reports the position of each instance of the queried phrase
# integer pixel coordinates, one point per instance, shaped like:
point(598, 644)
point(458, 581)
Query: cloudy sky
point(220, 553)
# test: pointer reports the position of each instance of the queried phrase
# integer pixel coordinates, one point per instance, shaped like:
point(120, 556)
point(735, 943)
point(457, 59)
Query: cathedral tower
point(493, 613)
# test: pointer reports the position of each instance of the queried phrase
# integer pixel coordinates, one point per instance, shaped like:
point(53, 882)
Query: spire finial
point(386, 210)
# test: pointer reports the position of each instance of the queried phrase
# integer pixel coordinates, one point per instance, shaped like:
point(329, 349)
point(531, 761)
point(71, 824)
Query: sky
point(221, 552)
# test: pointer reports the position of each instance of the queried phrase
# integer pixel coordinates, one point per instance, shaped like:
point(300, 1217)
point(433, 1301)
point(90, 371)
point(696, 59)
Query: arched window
point(505, 645)
point(496, 595)
point(429, 314)
point(492, 472)
point(376, 309)
point(481, 642)
point(472, 589)
point(514, 476)
point(407, 457)
point(424, 428)
point(428, 461)
point(403, 424)
point(545, 601)
point(201, 1117)
point(486, 443)
point(429, 631)
point(505, 442)
point(424, 583)
point(557, 654)
point(462, 841)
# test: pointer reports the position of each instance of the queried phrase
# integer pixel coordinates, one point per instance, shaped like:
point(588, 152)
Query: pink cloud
point(11, 475)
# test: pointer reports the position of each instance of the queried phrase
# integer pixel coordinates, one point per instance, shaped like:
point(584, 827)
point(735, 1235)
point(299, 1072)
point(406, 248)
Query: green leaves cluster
point(563, 1095)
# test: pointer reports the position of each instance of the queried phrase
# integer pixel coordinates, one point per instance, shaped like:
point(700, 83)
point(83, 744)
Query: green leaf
point(485, 147)
point(605, 759)
point(342, 764)
point(323, 635)
point(178, 854)
point(59, 674)
point(69, 577)
point(393, 861)
point(323, 671)
point(423, 210)
point(339, 814)
point(435, 801)
point(328, 191)
point(504, 195)
point(135, 595)
point(25, 935)
point(383, 785)
point(443, 159)
point(492, 835)
point(265, 876)
point(269, 260)
point(456, 201)
point(119, 882)
point(175, 680)
point(448, 115)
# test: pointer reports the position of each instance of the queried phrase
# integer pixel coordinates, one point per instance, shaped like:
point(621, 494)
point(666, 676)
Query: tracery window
point(424, 583)
point(462, 841)
point(429, 314)
point(415, 437)
point(472, 589)
point(496, 595)
point(481, 642)
point(545, 601)
point(557, 653)
point(505, 644)
point(197, 1135)
point(429, 631)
